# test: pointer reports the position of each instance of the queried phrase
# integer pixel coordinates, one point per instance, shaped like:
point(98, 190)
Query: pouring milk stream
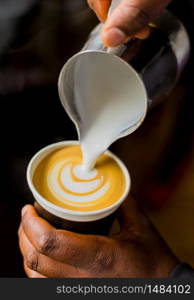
point(106, 100)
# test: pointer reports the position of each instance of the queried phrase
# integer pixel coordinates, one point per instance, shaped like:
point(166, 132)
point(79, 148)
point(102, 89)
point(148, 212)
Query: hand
point(129, 19)
point(136, 251)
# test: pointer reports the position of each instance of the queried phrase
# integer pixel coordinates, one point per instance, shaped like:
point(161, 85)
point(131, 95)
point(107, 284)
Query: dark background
point(37, 37)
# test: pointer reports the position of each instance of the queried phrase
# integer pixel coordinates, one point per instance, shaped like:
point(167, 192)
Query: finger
point(130, 17)
point(44, 265)
point(101, 8)
point(60, 245)
point(19, 230)
point(143, 33)
point(32, 274)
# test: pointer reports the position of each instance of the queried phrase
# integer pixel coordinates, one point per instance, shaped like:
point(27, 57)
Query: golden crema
point(59, 178)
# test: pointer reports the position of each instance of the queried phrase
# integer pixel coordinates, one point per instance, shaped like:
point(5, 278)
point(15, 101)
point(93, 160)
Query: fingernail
point(24, 209)
point(114, 37)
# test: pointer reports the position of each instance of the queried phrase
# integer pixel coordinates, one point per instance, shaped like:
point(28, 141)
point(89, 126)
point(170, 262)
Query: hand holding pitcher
point(129, 19)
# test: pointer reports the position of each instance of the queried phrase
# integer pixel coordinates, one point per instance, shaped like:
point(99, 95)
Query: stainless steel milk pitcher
point(154, 66)
point(159, 59)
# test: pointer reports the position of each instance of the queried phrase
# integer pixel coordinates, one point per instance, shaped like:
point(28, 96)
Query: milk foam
point(77, 187)
point(82, 173)
point(71, 189)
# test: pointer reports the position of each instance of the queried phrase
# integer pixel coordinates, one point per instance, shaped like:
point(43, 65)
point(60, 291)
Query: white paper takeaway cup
point(97, 221)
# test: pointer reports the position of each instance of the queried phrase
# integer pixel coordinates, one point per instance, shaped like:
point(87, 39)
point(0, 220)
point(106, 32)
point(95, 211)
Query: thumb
point(130, 18)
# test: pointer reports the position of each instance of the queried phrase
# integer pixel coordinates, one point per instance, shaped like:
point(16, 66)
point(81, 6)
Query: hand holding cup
point(136, 251)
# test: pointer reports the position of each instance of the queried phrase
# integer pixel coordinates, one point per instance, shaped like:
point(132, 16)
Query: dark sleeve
point(183, 271)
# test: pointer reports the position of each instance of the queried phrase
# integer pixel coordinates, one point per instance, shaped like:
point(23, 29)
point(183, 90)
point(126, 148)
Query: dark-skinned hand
point(136, 251)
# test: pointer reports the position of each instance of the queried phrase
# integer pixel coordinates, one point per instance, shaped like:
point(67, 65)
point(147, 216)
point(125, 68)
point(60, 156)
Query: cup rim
point(52, 206)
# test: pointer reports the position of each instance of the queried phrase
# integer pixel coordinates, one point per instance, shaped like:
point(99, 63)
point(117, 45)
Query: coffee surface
point(60, 179)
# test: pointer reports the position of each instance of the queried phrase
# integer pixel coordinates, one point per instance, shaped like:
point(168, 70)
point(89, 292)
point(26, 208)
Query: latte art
point(61, 179)
point(65, 185)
